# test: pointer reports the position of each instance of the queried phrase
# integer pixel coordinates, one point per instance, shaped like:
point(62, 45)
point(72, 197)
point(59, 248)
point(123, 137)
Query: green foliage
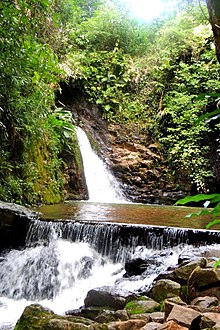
point(30, 165)
point(213, 199)
point(108, 28)
point(148, 75)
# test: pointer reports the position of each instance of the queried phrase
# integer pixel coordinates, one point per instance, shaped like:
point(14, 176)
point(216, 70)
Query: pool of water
point(155, 215)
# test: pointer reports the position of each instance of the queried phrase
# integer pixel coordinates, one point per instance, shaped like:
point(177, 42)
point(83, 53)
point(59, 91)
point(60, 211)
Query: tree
point(214, 18)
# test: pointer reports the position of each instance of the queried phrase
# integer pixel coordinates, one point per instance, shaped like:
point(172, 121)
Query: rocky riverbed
point(185, 297)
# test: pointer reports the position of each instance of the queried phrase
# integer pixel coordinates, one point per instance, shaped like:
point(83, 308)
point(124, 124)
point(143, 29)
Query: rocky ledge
point(186, 297)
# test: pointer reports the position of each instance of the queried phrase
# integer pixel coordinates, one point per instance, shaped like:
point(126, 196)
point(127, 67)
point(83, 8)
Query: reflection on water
point(156, 215)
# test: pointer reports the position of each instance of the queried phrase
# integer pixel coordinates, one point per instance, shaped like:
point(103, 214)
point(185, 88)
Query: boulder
point(172, 325)
point(163, 289)
point(138, 266)
point(126, 325)
point(37, 317)
point(142, 305)
point(204, 303)
point(182, 273)
point(204, 282)
point(107, 316)
point(108, 297)
point(184, 316)
point(14, 219)
point(88, 312)
point(157, 317)
point(209, 320)
point(153, 326)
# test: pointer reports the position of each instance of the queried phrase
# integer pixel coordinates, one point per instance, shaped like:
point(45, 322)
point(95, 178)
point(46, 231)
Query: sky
point(149, 9)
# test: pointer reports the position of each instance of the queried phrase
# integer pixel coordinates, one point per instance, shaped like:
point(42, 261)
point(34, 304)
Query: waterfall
point(63, 260)
point(101, 184)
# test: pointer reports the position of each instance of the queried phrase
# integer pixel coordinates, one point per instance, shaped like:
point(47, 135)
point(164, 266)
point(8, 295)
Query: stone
point(204, 303)
point(142, 305)
point(157, 317)
point(204, 281)
point(184, 316)
point(144, 316)
point(163, 289)
point(182, 273)
point(138, 266)
point(107, 316)
point(152, 326)
point(209, 319)
point(216, 326)
point(108, 297)
point(89, 312)
point(126, 325)
point(37, 317)
point(172, 325)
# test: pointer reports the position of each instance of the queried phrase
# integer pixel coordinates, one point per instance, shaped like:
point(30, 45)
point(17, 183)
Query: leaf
point(209, 115)
point(107, 107)
point(198, 198)
point(203, 96)
point(212, 223)
point(217, 263)
point(202, 212)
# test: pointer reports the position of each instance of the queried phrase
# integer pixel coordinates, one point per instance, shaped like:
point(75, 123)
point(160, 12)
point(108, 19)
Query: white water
point(59, 275)
point(101, 184)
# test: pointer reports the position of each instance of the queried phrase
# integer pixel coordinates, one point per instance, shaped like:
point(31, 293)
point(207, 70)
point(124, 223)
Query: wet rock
point(204, 282)
point(13, 224)
point(89, 312)
point(107, 316)
point(138, 266)
point(127, 325)
point(163, 289)
point(142, 305)
point(184, 316)
point(182, 273)
point(37, 317)
point(109, 297)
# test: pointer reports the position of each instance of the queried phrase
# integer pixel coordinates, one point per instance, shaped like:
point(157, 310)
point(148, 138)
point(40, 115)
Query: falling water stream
point(64, 259)
point(102, 185)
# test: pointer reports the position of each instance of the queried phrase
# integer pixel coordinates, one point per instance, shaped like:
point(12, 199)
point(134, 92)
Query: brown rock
point(157, 317)
point(126, 325)
point(172, 325)
point(209, 320)
point(153, 326)
point(204, 303)
point(184, 316)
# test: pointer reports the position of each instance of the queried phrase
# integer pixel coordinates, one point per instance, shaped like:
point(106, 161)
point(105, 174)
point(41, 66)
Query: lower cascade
point(63, 260)
point(101, 184)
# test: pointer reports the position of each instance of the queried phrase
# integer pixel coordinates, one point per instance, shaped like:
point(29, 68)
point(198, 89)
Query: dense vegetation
point(162, 76)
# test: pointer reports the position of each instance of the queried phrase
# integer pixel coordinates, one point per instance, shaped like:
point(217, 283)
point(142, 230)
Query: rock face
point(13, 225)
point(134, 158)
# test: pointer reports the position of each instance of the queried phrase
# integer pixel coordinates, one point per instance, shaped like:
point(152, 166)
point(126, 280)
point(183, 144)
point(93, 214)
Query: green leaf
point(198, 198)
point(217, 263)
point(107, 107)
point(202, 212)
point(212, 223)
point(209, 115)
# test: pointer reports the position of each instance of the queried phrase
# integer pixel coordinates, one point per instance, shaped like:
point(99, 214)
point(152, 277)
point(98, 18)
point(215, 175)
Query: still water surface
point(155, 215)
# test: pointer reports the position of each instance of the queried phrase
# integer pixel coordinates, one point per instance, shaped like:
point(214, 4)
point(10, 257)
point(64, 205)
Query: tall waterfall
point(101, 184)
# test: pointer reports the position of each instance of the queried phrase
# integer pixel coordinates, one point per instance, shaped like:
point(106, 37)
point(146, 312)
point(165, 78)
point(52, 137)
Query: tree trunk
point(214, 18)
